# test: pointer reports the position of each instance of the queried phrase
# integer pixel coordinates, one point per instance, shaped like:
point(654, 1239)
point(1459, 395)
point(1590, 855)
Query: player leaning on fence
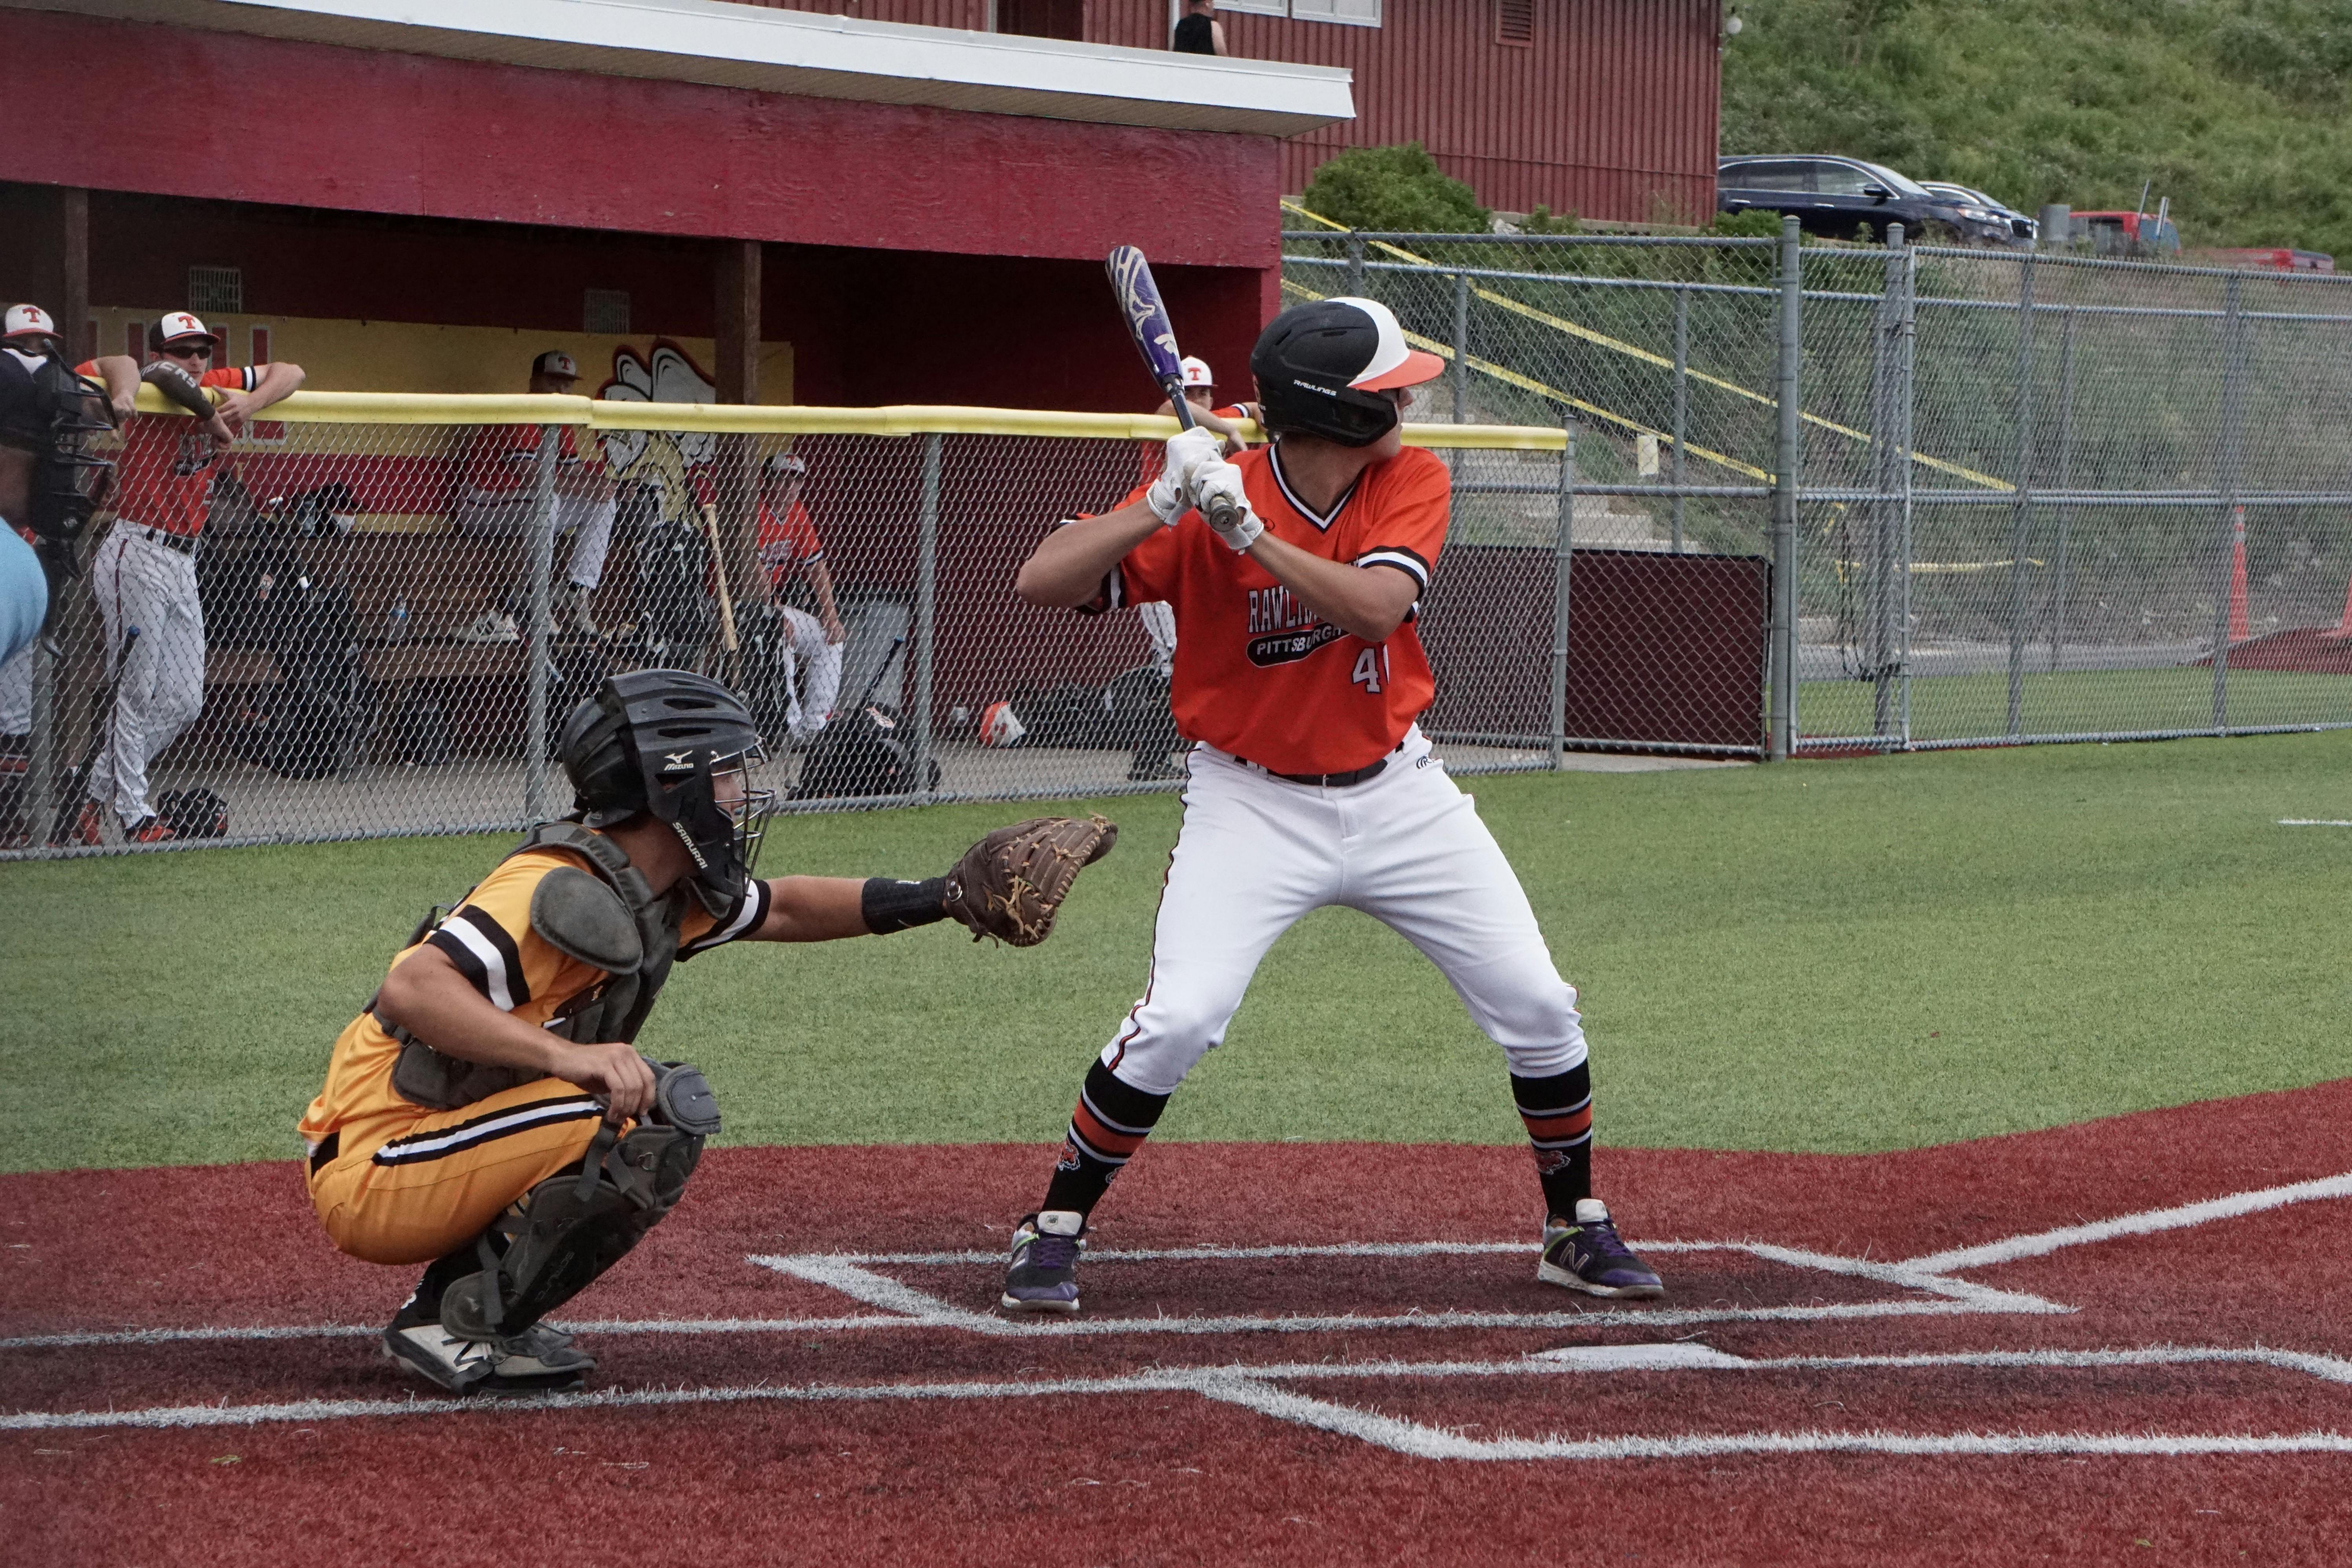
point(144, 571)
point(1299, 675)
point(488, 1113)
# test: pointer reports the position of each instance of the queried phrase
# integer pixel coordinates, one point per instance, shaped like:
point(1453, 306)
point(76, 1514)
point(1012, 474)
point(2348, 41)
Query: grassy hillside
point(2236, 109)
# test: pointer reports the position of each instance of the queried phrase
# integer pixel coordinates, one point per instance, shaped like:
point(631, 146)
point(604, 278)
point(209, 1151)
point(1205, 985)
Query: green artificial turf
point(2078, 702)
point(1851, 955)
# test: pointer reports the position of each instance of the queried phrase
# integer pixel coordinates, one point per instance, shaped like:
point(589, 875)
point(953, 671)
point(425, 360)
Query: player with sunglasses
point(144, 571)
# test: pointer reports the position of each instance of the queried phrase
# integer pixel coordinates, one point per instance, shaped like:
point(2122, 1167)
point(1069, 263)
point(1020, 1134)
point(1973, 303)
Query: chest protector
point(610, 919)
point(48, 410)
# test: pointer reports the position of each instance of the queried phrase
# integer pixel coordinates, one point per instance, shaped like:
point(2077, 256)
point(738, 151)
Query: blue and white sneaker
point(1586, 1254)
point(1044, 1275)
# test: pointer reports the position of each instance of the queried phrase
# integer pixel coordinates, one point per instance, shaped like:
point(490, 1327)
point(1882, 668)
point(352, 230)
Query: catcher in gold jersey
point(488, 1113)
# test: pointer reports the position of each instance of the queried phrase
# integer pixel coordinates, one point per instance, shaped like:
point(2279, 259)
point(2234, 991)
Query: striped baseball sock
point(1111, 1123)
point(1558, 1113)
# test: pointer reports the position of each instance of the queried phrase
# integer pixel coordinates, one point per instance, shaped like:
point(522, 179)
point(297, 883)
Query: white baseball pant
point(816, 674)
point(16, 693)
point(139, 583)
point(589, 521)
point(1257, 853)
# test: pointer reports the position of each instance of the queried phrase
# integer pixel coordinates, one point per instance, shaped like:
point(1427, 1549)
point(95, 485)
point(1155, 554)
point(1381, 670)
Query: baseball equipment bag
point(1011, 884)
point(196, 813)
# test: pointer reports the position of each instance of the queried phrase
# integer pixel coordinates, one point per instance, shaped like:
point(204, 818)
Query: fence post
point(1886, 348)
point(1789, 433)
point(1907, 386)
point(2234, 395)
point(1562, 562)
point(926, 589)
point(539, 560)
point(41, 747)
point(1682, 405)
point(2065, 483)
point(1461, 349)
point(2021, 508)
point(1356, 265)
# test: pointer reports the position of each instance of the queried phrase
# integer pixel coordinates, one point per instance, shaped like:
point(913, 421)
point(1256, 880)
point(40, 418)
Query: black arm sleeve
point(890, 906)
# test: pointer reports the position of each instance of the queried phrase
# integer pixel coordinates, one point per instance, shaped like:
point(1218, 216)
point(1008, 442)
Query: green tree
point(1395, 188)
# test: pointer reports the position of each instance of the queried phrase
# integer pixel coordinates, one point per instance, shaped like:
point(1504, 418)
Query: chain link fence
point(377, 613)
point(2018, 497)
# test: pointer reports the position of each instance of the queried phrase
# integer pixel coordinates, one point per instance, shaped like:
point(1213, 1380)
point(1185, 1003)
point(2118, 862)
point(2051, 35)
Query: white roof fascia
point(798, 52)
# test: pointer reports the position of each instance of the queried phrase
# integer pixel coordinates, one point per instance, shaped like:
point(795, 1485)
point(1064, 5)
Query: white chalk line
point(2310, 821)
point(904, 1307)
point(1258, 1388)
point(2145, 1223)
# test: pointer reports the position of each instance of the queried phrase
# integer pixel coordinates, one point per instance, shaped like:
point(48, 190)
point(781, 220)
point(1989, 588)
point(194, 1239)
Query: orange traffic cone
point(2240, 629)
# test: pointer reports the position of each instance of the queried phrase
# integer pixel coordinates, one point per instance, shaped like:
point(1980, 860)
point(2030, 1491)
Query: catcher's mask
point(1331, 368)
point(53, 413)
point(683, 747)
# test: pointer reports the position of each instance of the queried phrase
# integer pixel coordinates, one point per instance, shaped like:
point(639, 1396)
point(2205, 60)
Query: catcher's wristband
point(890, 905)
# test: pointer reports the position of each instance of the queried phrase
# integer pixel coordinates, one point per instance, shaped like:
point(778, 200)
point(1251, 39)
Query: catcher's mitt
point(177, 385)
point(1008, 884)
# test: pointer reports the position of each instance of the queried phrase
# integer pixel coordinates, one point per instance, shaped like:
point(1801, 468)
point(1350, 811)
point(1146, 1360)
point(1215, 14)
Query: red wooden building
point(1606, 108)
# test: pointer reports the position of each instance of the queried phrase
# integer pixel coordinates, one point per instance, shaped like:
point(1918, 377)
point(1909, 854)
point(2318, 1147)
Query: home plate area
point(2154, 1291)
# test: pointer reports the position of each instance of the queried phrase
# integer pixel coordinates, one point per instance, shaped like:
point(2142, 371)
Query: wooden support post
point(73, 295)
point(737, 329)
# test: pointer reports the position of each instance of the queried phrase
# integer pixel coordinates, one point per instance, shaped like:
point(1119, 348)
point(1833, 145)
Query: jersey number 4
point(1372, 670)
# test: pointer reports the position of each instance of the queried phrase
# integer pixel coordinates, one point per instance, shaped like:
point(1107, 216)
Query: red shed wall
point(1610, 112)
point(386, 132)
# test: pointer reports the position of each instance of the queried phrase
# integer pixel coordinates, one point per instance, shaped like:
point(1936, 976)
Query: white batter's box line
point(860, 1281)
point(904, 1306)
point(2145, 1222)
point(1260, 1389)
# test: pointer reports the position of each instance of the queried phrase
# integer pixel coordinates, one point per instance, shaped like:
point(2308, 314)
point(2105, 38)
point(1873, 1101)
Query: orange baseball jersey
point(1259, 675)
point(491, 940)
point(506, 456)
point(788, 542)
point(164, 475)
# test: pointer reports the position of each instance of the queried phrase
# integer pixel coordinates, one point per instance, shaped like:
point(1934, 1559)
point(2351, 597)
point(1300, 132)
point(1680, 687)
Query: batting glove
point(1169, 495)
point(1217, 493)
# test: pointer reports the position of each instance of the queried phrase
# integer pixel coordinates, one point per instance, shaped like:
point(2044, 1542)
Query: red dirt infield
point(2122, 1341)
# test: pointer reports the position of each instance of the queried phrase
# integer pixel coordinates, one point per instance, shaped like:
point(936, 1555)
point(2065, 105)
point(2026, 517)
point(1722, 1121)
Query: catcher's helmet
point(664, 740)
point(1322, 369)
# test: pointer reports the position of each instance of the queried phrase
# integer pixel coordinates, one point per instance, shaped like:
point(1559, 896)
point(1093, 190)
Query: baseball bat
point(1155, 338)
point(726, 595)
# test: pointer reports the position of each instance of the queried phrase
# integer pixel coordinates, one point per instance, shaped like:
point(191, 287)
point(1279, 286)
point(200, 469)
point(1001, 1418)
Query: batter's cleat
point(538, 1360)
point(1043, 1276)
point(1586, 1254)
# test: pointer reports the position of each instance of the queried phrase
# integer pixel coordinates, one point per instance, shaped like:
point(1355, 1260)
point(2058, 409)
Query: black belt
point(186, 543)
point(1327, 780)
point(329, 1147)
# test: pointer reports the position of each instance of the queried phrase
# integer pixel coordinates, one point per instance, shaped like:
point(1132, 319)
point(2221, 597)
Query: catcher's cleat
point(1586, 1254)
point(1043, 1276)
point(538, 1360)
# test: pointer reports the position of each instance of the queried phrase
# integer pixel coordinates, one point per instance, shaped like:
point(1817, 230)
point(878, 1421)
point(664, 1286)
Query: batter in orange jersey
point(1296, 574)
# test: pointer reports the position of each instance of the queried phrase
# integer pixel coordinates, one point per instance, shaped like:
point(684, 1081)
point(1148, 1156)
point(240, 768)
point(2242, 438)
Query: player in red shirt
point(788, 544)
point(501, 486)
point(1299, 676)
point(144, 571)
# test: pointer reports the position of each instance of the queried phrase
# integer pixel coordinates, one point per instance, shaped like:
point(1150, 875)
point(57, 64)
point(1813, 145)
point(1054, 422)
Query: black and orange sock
point(1558, 1113)
point(1111, 1123)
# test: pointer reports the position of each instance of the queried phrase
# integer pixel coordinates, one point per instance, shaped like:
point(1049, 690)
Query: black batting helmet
point(1324, 369)
point(661, 740)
